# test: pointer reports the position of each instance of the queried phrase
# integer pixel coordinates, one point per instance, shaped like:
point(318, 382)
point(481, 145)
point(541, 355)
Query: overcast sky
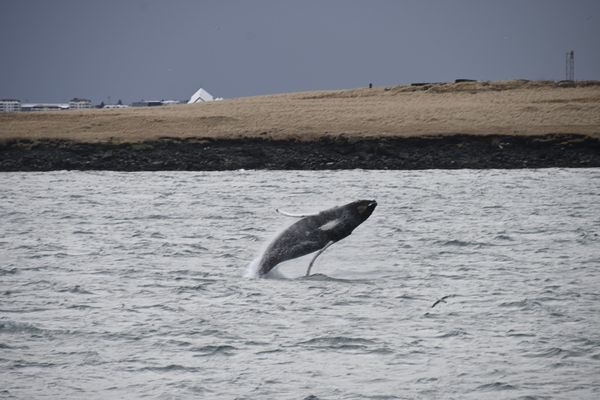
point(107, 50)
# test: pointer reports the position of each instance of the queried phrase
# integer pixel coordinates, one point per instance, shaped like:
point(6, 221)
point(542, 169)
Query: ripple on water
point(8, 271)
point(75, 289)
point(344, 343)
point(495, 386)
point(551, 352)
point(213, 350)
point(171, 368)
point(453, 333)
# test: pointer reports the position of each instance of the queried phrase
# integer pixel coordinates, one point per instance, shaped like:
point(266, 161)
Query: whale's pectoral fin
point(287, 214)
point(317, 255)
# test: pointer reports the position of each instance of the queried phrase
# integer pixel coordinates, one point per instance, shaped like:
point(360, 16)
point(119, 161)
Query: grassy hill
point(515, 107)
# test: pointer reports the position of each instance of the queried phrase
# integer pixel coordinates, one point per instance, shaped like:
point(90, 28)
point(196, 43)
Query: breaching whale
point(315, 233)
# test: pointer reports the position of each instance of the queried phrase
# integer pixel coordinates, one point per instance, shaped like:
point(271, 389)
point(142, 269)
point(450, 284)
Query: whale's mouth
point(371, 206)
point(366, 208)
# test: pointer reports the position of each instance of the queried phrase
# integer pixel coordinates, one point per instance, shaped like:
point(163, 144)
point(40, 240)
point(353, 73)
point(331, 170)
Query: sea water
point(132, 285)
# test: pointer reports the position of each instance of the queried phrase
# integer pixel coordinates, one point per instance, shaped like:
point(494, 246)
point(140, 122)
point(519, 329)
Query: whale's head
point(363, 208)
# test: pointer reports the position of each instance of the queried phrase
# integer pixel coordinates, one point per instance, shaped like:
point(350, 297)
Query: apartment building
point(10, 105)
point(78, 103)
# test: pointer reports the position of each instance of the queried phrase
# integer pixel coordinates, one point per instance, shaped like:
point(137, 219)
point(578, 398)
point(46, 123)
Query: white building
point(44, 106)
point(10, 105)
point(200, 97)
point(170, 102)
point(77, 103)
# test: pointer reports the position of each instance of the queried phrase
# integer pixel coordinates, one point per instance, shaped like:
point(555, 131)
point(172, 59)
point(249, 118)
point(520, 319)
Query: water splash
point(252, 269)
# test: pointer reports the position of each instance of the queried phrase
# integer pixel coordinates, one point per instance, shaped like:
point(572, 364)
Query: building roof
point(200, 96)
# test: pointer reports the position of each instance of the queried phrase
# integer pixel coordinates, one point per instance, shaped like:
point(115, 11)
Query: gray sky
point(107, 50)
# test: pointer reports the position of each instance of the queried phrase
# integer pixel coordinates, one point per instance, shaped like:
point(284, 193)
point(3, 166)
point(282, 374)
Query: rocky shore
point(196, 154)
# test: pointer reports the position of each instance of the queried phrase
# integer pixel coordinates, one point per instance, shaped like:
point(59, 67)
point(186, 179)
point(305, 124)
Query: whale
point(314, 233)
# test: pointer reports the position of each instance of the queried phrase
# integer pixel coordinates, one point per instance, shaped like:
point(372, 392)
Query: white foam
point(254, 266)
point(252, 269)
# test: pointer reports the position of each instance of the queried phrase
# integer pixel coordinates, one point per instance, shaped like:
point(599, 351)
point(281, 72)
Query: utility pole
point(570, 66)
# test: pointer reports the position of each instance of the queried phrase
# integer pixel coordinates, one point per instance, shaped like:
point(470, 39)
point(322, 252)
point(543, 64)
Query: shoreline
point(459, 151)
point(475, 124)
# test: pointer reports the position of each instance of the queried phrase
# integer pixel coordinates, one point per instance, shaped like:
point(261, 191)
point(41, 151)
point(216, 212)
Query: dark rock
point(459, 151)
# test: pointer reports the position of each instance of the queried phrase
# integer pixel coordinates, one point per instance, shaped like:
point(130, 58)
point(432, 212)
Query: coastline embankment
point(436, 152)
point(506, 124)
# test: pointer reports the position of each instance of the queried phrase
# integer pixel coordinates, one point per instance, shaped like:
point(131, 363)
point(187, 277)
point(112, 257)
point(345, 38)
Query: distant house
point(44, 106)
point(115, 106)
point(153, 103)
point(147, 103)
point(10, 105)
point(78, 103)
point(200, 96)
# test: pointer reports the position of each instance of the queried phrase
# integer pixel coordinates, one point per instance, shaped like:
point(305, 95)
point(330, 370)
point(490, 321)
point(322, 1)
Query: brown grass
point(504, 107)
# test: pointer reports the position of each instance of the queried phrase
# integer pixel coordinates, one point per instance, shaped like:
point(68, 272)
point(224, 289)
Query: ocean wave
point(75, 289)
point(496, 386)
point(525, 304)
point(193, 288)
point(551, 352)
point(213, 350)
point(462, 243)
point(9, 271)
point(452, 333)
point(170, 368)
point(345, 343)
point(514, 333)
point(17, 364)
point(325, 278)
point(20, 327)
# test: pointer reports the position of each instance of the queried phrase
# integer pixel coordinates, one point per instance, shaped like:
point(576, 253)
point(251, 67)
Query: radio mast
point(570, 66)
